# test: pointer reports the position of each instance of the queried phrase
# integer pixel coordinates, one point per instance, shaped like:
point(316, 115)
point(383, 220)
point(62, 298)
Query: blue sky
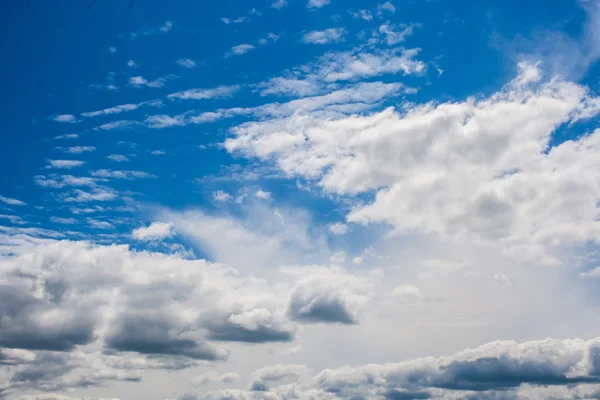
point(284, 199)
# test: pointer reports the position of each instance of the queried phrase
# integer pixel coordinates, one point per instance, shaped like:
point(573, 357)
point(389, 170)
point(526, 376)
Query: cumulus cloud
point(327, 295)
point(496, 144)
point(64, 164)
point(155, 231)
point(117, 157)
point(323, 37)
point(338, 228)
point(239, 50)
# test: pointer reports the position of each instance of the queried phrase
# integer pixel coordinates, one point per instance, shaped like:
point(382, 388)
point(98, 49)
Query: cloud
point(204, 94)
point(213, 377)
point(263, 195)
point(155, 231)
point(278, 4)
point(67, 136)
point(278, 372)
point(338, 228)
point(239, 50)
point(317, 3)
point(406, 291)
point(139, 81)
point(511, 176)
point(64, 164)
point(94, 223)
point(186, 63)
point(68, 118)
point(395, 34)
point(11, 201)
point(503, 279)
point(258, 325)
point(122, 174)
point(158, 152)
point(222, 196)
point(77, 149)
point(60, 181)
point(117, 157)
point(123, 107)
point(96, 194)
point(331, 35)
point(270, 38)
point(327, 295)
point(387, 6)
point(122, 124)
point(148, 31)
point(64, 221)
point(293, 87)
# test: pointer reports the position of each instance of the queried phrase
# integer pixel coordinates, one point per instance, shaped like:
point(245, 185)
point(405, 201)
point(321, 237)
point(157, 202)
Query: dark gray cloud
point(23, 326)
point(224, 330)
point(320, 308)
point(153, 333)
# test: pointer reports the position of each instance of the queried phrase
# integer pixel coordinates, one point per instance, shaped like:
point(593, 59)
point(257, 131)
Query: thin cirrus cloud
point(239, 50)
point(326, 36)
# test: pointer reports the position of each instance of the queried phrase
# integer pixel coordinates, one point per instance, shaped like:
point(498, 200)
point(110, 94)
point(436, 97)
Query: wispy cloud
point(77, 149)
point(122, 108)
point(64, 164)
point(65, 221)
point(117, 158)
point(317, 3)
point(278, 4)
point(148, 31)
point(122, 174)
point(323, 37)
point(239, 50)
point(11, 201)
point(245, 18)
point(67, 136)
point(139, 81)
point(270, 38)
point(203, 94)
point(186, 63)
point(122, 124)
point(65, 118)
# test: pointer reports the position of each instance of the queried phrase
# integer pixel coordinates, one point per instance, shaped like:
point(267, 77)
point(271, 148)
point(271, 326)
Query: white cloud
point(278, 4)
point(117, 157)
point(67, 136)
point(263, 195)
point(406, 291)
point(121, 174)
point(363, 14)
point(501, 142)
point(323, 37)
point(338, 228)
point(222, 196)
point(158, 152)
point(64, 164)
point(239, 50)
point(151, 30)
point(79, 149)
point(112, 49)
point(317, 3)
point(11, 201)
point(213, 377)
point(387, 6)
point(131, 64)
point(65, 221)
point(395, 34)
point(139, 81)
point(68, 118)
point(122, 108)
point(155, 231)
point(203, 94)
point(186, 63)
point(94, 223)
point(503, 279)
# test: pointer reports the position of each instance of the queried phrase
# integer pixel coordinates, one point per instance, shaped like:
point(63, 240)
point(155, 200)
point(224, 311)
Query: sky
point(300, 199)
